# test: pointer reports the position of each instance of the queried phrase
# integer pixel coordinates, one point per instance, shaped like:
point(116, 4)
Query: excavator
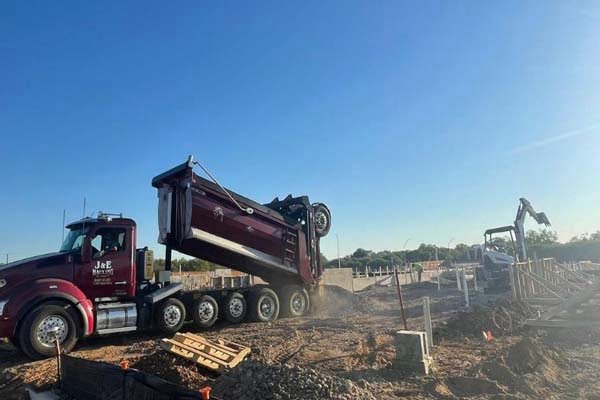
point(496, 259)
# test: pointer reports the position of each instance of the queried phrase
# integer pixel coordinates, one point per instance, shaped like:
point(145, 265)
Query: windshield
point(74, 239)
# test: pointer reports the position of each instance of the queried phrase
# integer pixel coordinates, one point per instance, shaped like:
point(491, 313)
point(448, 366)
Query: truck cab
point(88, 287)
point(103, 252)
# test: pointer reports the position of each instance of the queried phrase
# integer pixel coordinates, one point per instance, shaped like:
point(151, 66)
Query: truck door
point(109, 274)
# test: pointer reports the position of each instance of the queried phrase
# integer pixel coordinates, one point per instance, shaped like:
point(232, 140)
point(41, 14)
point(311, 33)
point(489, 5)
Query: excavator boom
point(525, 208)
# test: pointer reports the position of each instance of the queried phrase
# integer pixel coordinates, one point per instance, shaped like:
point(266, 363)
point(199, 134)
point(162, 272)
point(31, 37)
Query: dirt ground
point(351, 337)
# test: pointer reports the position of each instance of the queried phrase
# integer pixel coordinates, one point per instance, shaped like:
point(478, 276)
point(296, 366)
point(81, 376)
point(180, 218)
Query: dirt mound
point(336, 301)
point(173, 369)
point(503, 317)
point(467, 323)
point(464, 386)
point(504, 376)
point(254, 380)
point(532, 356)
point(425, 285)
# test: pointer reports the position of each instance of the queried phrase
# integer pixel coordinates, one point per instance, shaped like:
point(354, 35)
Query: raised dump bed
point(278, 241)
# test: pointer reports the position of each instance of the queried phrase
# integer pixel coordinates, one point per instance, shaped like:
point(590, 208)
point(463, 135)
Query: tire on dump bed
point(322, 218)
point(264, 305)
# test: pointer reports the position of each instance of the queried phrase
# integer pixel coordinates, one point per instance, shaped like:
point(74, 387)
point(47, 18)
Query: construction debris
point(218, 355)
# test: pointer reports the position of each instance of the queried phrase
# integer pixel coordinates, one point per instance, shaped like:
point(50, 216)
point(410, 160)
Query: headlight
point(2, 304)
point(2, 283)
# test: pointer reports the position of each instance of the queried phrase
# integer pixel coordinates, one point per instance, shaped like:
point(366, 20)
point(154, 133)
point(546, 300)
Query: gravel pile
point(254, 380)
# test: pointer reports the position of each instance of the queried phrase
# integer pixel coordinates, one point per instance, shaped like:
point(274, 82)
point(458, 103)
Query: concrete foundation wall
point(341, 277)
point(361, 283)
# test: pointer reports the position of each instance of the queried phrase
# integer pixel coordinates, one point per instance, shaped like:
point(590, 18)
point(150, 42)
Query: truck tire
point(205, 311)
point(264, 306)
point(235, 308)
point(322, 217)
point(295, 301)
point(170, 316)
point(15, 342)
point(34, 337)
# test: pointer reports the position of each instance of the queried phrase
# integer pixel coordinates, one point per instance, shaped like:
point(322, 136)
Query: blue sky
point(424, 120)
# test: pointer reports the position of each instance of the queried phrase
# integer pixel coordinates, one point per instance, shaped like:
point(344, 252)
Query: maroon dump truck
point(100, 282)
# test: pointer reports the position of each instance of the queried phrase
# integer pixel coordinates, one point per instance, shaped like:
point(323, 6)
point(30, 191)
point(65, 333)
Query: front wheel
point(264, 306)
point(170, 316)
point(42, 326)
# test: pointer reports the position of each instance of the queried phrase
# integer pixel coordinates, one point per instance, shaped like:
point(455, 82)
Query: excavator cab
point(491, 246)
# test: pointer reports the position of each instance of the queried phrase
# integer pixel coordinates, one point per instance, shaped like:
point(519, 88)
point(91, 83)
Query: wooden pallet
point(218, 356)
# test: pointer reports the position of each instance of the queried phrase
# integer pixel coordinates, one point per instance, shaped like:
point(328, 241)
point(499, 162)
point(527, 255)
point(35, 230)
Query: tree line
point(543, 243)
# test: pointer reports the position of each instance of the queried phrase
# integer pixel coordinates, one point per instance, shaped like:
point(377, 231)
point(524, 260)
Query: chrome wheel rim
point(172, 315)
point(206, 311)
point(45, 331)
point(267, 307)
point(298, 303)
point(321, 220)
point(236, 307)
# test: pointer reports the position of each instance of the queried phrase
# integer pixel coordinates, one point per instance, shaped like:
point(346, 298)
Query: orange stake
point(205, 392)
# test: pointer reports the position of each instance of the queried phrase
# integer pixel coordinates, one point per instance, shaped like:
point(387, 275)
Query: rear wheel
point(40, 328)
point(235, 308)
point(264, 306)
point(295, 301)
point(15, 342)
point(205, 311)
point(170, 316)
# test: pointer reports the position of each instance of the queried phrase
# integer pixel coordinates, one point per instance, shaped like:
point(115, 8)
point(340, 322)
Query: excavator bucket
point(216, 355)
point(541, 218)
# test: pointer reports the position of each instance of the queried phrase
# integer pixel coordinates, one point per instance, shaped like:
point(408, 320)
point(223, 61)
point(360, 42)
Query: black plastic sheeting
point(93, 380)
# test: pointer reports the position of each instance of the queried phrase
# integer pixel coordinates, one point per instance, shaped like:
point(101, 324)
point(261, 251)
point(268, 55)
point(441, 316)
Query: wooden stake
point(400, 299)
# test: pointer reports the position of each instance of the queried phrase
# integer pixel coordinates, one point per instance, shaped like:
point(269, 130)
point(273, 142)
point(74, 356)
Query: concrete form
point(412, 352)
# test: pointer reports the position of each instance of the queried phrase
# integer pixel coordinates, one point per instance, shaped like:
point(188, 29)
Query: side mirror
point(86, 250)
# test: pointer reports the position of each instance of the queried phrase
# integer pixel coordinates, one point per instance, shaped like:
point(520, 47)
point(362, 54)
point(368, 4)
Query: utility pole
point(338, 250)
point(449, 251)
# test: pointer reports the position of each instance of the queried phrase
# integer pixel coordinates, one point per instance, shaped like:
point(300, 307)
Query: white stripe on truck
point(240, 249)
